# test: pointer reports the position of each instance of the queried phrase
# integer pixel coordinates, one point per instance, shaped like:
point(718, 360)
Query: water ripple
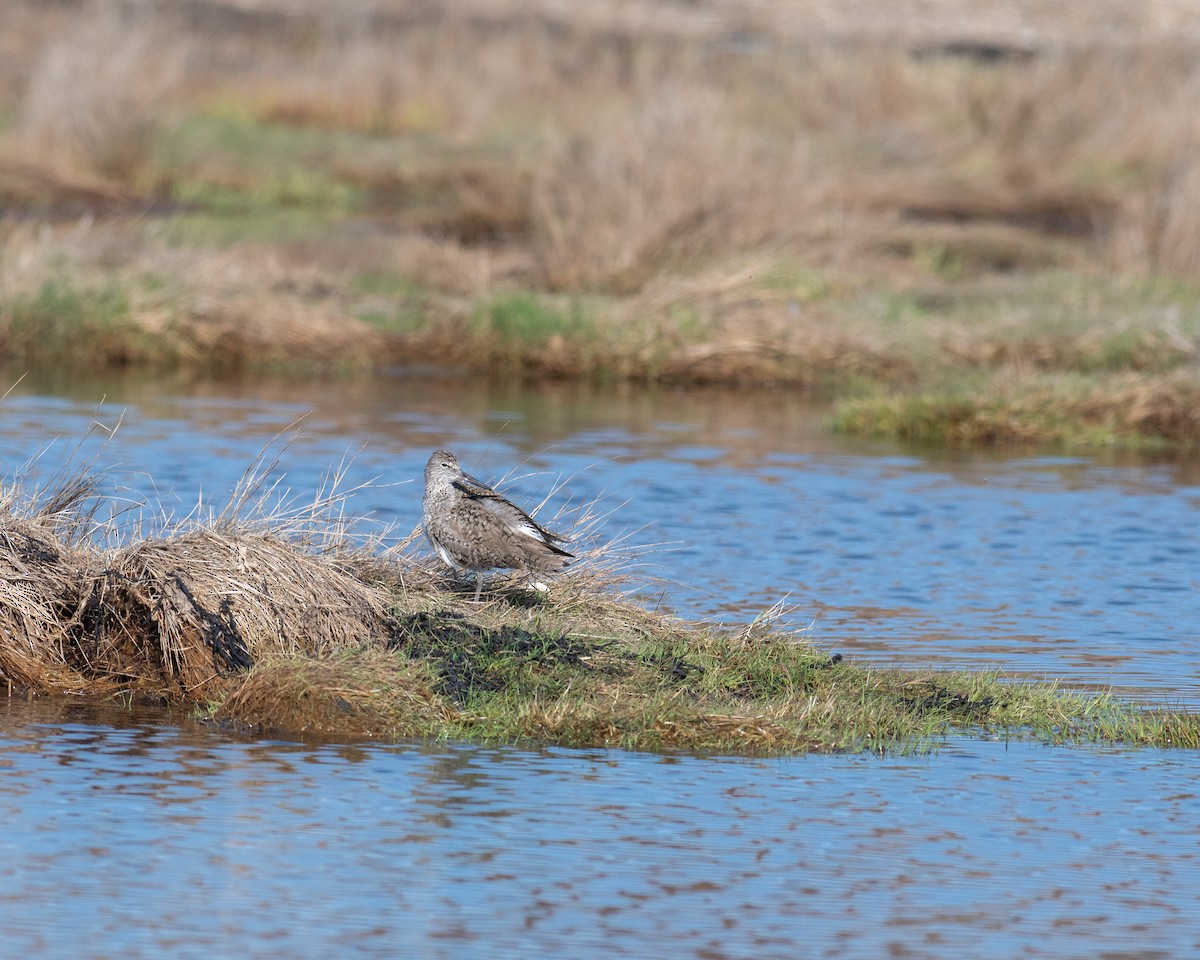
point(177, 840)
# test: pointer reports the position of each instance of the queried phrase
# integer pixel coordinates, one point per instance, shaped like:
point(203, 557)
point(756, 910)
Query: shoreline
point(1125, 378)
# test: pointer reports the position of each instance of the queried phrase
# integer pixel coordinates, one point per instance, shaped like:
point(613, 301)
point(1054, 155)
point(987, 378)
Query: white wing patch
point(527, 528)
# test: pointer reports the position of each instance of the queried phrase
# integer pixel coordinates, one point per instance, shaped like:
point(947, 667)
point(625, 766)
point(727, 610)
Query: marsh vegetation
point(978, 228)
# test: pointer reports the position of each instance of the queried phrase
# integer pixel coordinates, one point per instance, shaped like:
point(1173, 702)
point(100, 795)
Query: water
point(139, 833)
point(137, 839)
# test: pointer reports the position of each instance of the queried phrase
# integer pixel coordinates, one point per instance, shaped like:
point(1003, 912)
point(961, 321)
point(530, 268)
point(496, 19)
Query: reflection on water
point(155, 840)
point(1069, 567)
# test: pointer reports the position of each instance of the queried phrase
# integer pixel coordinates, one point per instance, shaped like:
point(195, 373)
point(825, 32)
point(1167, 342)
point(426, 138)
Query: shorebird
point(472, 527)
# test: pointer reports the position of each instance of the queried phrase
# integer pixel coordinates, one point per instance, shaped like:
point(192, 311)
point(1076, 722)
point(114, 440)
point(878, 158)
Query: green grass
point(236, 139)
point(1135, 411)
point(585, 670)
point(72, 322)
point(586, 337)
point(231, 163)
point(528, 318)
point(220, 228)
point(394, 303)
point(798, 281)
point(1053, 358)
point(284, 189)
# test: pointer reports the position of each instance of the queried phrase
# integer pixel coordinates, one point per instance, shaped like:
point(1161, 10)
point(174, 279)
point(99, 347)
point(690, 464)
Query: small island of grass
point(283, 626)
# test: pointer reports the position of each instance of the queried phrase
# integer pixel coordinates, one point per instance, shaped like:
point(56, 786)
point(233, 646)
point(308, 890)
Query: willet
point(472, 527)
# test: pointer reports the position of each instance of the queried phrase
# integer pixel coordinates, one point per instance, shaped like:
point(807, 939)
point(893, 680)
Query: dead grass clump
point(42, 567)
point(40, 576)
point(360, 694)
point(185, 611)
point(1114, 409)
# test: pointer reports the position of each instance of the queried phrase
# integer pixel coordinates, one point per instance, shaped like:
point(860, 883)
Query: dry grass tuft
point(185, 611)
point(759, 734)
point(42, 567)
point(1166, 407)
point(39, 578)
point(257, 329)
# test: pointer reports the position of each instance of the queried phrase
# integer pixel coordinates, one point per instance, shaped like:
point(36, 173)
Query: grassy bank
point(280, 624)
point(968, 227)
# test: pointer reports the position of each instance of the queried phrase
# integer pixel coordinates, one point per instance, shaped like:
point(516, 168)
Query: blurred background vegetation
point(964, 221)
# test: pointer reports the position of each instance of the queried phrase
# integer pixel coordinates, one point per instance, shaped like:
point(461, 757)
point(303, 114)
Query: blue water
point(135, 833)
point(152, 840)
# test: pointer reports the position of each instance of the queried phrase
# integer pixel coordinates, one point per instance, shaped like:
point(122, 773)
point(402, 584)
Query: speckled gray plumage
point(473, 527)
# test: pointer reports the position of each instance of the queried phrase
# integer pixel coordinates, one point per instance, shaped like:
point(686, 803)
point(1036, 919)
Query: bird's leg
point(478, 584)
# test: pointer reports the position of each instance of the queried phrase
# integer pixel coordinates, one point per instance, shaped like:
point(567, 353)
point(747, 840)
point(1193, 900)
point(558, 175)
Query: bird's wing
point(508, 512)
